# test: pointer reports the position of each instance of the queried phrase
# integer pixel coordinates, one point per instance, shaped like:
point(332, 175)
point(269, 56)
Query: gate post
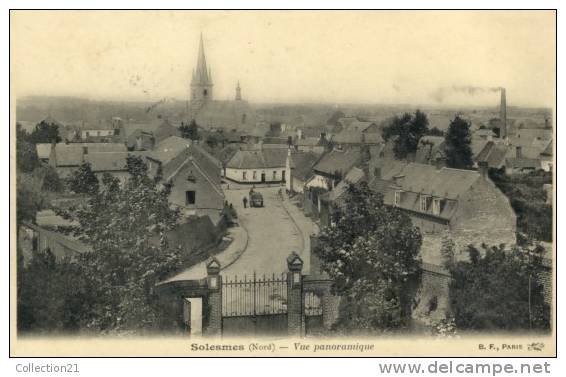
point(214, 287)
point(294, 295)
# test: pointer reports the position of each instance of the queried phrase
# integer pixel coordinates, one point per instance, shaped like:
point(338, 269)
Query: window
point(424, 203)
point(85, 150)
point(397, 198)
point(436, 206)
point(244, 176)
point(190, 197)
point(87, 134)
point(254, 175)
point(275, 175)
point(283, 175)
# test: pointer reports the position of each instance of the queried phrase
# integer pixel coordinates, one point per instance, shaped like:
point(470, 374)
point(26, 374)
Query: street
point(272, 235)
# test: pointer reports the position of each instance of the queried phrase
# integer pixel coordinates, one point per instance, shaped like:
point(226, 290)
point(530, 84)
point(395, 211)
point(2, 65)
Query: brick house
point(464, 204)
point(195, 176)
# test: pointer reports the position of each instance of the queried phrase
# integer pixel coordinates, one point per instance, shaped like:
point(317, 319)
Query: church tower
point(201, 82)
point(238, 92)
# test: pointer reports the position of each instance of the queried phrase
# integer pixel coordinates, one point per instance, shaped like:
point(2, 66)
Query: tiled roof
point(357, 137)
point(303, 163)
point(258, 159)
point(107, 161)
point(354, 176)
point(169, 148)
point(338, 160)
point(520, 163)
point(493, 154)
point(359, 126)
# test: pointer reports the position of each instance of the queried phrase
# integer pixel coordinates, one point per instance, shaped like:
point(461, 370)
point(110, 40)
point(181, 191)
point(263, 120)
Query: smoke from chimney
point(441, 93)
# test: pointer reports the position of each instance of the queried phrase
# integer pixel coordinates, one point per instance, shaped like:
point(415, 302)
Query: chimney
point(482, 167)
point(519, 152)
point(503, 115)
point(398, 180)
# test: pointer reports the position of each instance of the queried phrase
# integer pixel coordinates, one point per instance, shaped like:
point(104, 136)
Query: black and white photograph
point(362, 183)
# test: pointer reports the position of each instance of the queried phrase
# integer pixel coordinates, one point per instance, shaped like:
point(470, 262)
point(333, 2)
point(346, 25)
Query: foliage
point(528, 199)
point(121, 224)
point(46, 131)
point(51, 295)
point(190, 131)
point(434, 131)
point(448, 252)
point(371, 251)
point(51, 180)
point(83, 180)
point(406, 131)
point(333, 120)
point(458, 144)
point(491, 291)
point(29, 198)
point(26, 153)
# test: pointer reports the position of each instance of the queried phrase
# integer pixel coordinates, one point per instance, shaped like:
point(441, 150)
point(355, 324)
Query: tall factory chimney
point(503, 115)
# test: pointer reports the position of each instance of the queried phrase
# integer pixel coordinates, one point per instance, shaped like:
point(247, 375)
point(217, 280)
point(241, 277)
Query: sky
point(335, 57)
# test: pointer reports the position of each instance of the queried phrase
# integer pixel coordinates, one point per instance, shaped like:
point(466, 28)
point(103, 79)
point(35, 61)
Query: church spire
point(202, 73)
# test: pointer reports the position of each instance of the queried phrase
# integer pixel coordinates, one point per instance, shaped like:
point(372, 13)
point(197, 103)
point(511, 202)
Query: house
point(431, 150)
point(165, 130)
point(462, 204)
point(113, 163)
point(518, 163)
point(102, 131)
point(311, 144)
point(67, 157)
point(546, 158)
point(194, 174)
point(332, 167)
point(363, 126)
point(257, 166)
point(493, 154)
point(348, 138)
point(484, 134)
point(299, 167)
point(336, 197)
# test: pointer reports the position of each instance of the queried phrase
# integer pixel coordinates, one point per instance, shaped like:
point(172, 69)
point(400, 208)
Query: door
point(192, 315)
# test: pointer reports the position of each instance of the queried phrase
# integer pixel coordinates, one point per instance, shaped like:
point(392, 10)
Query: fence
point(254, 296)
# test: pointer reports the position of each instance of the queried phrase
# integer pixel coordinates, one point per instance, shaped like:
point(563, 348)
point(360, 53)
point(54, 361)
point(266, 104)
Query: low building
point(492, 154)
point(347, 138)
point(67, 157)
point(431, 150)
point(194, 174)
point(546, 158)
point(265, 165)
point(299, 167)
point(462, 204)
point(333, 166)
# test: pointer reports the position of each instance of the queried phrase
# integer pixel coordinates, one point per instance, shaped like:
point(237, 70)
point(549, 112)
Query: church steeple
point(201, 82)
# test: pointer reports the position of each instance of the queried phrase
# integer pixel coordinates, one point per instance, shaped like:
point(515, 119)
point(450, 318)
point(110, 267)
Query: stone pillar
point(295, 295)
point(214, 286)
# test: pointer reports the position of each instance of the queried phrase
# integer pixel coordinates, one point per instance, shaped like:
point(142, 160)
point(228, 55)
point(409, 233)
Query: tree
point(458, 144)
point(371, 252)
point(529, 201)
point(406, 131)
point(83, 180)
point(51, 180)
point(190, 131)
point(26, 153)
point(29, 198)
point(497, 289)
point(121, 223)
point(46, 131)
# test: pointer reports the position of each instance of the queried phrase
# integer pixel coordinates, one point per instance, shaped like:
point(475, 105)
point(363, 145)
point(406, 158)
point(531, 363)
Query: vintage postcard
point(283, 183)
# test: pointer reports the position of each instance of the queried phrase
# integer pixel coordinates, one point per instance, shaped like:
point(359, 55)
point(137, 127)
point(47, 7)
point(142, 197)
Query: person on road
point(245, 200)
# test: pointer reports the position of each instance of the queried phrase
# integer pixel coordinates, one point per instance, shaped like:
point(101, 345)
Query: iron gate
point(254, 305)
